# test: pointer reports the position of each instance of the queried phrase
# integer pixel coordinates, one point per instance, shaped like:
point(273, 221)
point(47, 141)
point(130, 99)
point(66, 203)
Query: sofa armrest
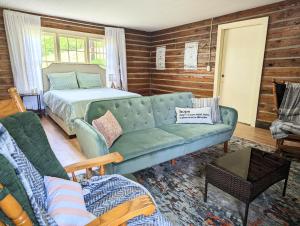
point(229, 116)
point(92, 142)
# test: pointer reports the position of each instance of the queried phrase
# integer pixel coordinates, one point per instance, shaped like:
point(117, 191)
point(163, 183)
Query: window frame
point(58, 36)
point(72, 34)
point(95, 52)
point(55, 48)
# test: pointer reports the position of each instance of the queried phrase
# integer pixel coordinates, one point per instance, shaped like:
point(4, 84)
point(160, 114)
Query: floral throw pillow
point(109, 127)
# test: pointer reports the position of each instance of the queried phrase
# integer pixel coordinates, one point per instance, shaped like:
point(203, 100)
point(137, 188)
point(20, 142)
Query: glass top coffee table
point(246, 173)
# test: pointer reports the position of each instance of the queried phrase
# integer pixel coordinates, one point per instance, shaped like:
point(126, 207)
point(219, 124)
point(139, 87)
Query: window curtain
point(116, 65)
point(23, 33)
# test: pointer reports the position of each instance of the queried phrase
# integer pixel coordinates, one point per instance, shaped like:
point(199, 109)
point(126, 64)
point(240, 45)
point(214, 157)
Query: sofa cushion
point(192, 132)
point(138, 143)
point(164, 107)
point(132, 113)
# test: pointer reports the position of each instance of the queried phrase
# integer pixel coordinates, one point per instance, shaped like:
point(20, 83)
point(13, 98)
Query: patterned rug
point(178, 191)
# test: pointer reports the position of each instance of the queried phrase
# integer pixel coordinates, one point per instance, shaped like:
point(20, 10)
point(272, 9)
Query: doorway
point(239, 63)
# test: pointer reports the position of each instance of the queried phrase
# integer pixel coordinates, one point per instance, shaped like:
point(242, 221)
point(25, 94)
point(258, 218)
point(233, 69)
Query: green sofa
point(150, 133)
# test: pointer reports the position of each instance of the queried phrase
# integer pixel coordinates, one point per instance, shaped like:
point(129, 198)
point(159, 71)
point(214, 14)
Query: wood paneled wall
point(282, 55)
point(281, 61)
point(137, 47)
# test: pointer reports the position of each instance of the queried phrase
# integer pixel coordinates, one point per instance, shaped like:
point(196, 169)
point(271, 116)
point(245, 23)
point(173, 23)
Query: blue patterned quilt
point(102, 193)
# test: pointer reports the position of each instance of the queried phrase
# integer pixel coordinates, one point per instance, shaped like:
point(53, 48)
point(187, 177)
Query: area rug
point(178, 191)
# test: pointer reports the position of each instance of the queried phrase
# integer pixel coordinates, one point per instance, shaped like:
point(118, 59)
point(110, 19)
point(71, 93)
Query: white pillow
point(66, 203)
point(194, 115)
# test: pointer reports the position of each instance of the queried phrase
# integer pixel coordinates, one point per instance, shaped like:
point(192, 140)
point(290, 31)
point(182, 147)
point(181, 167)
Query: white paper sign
point(160, 58)
point(190, 55)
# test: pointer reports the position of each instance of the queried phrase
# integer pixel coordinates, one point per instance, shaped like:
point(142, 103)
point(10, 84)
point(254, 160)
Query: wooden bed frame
point(119, 215)
point(68, 67)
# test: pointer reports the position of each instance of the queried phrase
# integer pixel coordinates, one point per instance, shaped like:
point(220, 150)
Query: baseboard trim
point(262, 124)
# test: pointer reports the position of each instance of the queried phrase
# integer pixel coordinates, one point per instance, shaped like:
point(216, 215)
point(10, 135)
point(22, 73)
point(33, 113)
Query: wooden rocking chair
point(13, 105)
point(119, 215)
point(281, 146)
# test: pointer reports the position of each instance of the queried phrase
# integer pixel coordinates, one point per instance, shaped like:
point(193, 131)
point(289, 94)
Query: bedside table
point(39, 111)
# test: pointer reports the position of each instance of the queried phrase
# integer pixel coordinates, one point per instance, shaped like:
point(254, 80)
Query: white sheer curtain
point(23, 33)
point(116, 65)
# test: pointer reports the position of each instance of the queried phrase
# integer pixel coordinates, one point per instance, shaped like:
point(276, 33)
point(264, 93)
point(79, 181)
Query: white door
point(242, 51)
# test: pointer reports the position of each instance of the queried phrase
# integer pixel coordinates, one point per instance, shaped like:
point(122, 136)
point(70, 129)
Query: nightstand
point(39, 111)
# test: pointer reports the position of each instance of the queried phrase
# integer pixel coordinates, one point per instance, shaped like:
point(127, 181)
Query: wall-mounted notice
point(190, 55)
point(160, 57)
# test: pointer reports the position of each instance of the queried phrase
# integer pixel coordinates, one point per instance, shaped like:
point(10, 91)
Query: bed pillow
point(60, 81)
point(88, 80)
point(194, 115)
point(65, 202)
point(213, 103)
point(109, 127)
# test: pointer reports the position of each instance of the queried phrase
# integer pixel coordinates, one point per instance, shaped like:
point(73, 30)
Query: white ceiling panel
point(147, 15)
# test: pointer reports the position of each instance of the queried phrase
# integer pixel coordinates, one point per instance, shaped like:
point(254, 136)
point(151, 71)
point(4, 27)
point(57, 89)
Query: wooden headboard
point(70, 67)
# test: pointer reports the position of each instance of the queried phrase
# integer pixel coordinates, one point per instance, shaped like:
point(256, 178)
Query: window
point(97, 52)
point(72, 47)
point(48, 49)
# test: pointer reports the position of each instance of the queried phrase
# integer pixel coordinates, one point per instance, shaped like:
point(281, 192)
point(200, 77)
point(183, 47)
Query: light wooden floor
point(258, 135)
point(68, 151)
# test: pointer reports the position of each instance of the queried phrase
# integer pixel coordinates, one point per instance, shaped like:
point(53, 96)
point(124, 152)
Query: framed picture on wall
point(161, 57)
point(190, 55)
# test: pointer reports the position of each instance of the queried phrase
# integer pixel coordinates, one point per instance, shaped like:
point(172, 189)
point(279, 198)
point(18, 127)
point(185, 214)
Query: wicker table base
point(246, 173)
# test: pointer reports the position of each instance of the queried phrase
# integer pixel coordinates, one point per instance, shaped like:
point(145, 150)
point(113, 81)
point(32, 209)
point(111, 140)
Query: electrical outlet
point(208, 68)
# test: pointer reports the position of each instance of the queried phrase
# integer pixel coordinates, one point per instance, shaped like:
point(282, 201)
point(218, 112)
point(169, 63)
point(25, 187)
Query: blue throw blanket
point(102, 193)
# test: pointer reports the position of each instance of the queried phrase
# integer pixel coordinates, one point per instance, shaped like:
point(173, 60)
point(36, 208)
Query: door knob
point(222, 75)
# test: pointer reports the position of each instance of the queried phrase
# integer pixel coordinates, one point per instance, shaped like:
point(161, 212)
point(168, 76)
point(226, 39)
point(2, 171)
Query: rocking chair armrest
point(114, 157)
point(119, 215)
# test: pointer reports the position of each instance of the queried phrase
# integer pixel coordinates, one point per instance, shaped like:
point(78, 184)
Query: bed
point(63, 106)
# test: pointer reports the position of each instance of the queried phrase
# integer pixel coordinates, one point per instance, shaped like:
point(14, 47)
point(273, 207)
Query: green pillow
point(88, 80)
point(27, 131)
point(60, 81)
